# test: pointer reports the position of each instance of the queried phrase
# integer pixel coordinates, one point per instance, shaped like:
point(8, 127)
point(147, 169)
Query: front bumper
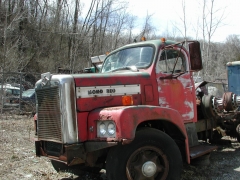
point(72, 154)
point(68, 154)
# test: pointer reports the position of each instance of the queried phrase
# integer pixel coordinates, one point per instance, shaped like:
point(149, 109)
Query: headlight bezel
point(110, 129)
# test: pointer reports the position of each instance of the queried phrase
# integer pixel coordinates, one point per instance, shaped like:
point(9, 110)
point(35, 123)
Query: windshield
point(139, 57)
point(28, 93)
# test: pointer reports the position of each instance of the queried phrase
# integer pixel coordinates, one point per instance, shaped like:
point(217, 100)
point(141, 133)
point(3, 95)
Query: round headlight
point(102, 129)
point(111, 128)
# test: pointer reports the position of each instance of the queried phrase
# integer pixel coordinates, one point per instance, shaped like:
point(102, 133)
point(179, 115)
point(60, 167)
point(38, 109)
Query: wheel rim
point(147, 162)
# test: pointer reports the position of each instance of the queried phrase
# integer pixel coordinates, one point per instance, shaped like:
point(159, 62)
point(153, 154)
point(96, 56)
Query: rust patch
point(104, 117)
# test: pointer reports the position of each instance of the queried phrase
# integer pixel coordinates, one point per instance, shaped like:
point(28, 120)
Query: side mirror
point(195, 56)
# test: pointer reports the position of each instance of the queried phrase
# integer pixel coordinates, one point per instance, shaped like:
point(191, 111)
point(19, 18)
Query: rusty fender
point(127, 118)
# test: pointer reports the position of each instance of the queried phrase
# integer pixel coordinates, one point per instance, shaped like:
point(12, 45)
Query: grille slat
point(49, 114)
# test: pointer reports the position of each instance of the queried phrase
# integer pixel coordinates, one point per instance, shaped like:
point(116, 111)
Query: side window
point(172, 61)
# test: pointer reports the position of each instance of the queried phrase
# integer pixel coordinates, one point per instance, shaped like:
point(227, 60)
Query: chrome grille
point(49, 114)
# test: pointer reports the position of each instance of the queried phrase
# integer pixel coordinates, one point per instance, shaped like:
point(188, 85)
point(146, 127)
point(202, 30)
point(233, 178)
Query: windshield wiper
point(178, 74)
point(132, 68)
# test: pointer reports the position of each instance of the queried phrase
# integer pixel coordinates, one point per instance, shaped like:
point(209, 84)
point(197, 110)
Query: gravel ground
point(18, 161)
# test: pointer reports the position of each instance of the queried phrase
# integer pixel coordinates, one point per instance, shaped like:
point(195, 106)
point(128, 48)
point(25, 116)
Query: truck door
point(175, 85)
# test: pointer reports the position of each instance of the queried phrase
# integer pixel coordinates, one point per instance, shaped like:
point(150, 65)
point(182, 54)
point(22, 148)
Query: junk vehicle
point(28, 96)
point(97, 64)
point(9, 96)
point(28, 100)
point(139, 118)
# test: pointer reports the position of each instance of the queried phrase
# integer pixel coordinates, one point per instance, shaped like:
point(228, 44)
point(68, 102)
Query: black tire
point(152, 155)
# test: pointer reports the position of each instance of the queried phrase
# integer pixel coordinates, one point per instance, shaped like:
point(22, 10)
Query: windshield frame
point(123, 54)
point(172, 62)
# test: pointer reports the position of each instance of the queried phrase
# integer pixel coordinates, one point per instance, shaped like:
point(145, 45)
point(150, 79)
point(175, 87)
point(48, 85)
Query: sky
point(167, 14)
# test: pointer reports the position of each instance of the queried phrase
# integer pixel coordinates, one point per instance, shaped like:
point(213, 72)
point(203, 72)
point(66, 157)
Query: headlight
point(102, 129)
point(111, 128)
point(106, 129)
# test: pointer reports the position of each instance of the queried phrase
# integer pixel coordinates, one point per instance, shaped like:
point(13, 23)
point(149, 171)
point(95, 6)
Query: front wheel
point(152, 155)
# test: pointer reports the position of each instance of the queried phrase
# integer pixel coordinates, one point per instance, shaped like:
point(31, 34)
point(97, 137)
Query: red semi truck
point(139, 118)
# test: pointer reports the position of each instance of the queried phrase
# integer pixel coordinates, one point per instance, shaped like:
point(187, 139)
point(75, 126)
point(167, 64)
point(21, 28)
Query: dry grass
point(17, 152)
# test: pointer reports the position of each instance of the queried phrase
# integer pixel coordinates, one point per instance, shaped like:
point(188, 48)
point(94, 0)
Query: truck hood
point(106, 89)
point(102, 79)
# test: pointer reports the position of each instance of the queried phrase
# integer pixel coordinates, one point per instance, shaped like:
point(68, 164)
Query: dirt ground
point(18, 161)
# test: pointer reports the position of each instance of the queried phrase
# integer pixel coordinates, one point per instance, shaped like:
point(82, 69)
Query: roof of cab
point(155, 43)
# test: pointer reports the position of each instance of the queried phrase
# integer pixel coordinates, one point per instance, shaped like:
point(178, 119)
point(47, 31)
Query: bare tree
point(148, 29)
point(183, 19)
point(73, 40)
point(131, 25)
point(183, 23)
point(42, 35)
point(232, 48)
point(211, 21)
